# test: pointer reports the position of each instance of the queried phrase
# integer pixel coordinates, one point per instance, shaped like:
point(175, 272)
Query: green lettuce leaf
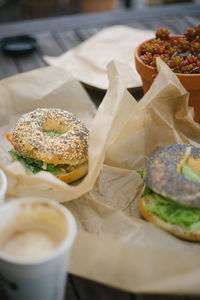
point(168, 210)
point(52, 134)
point(189, 173)
point(140, 172)
point(35, 165)
point(146, 191)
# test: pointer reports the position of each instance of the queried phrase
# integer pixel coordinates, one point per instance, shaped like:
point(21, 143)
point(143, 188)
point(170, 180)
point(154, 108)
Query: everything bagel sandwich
point(51, 140)
point(171, 194)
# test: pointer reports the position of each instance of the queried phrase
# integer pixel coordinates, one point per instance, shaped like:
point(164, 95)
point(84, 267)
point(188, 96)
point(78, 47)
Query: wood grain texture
point(8, 66)
point(47, 44)
point(67, 39)
point(95, 94)
point(192, 20)
point(88, 290)
point(179, 25)
point(86, 33)
point(159, 297)
point(97, 19)
point(29, 62)
point(70, 292)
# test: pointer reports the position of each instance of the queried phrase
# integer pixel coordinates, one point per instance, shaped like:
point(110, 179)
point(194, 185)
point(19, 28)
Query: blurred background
point(16, 10)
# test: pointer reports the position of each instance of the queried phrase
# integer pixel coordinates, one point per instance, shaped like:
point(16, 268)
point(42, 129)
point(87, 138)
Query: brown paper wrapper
point(114, 246)
point(88, 61)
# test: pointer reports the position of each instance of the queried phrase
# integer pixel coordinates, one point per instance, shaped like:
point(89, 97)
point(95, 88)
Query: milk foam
point(32, 243)
point(32, 230)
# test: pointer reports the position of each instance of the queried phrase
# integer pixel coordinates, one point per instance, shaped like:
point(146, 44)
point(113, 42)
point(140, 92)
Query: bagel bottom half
point(175, 229)
point(79, 172)
point(65, 173)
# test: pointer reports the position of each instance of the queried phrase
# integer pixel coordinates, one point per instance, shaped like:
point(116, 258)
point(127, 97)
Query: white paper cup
point(25, 277)
point(3, 186)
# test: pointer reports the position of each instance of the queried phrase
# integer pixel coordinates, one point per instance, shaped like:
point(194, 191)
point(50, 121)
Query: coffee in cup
point(34, 231)
point(36, 236)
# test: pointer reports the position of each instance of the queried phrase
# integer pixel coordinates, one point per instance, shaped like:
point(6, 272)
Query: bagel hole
point(52, 133)
point(190, 173)
point(54, 128)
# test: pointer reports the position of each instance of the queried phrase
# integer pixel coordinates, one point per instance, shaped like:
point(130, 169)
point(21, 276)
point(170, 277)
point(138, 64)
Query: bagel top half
point(171, 194)
point(68, 144)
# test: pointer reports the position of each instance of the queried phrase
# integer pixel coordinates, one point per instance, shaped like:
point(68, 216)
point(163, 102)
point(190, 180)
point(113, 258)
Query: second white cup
point(3, 186)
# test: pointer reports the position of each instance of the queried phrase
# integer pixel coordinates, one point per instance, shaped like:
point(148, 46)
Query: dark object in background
point(31, 9)
point(91, 6)
point(128, 3)
point(163, 2)
point(18, 45)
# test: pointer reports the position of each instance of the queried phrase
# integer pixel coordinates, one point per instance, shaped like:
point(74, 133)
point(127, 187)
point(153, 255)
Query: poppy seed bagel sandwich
point(51, 140)
point(171, 194)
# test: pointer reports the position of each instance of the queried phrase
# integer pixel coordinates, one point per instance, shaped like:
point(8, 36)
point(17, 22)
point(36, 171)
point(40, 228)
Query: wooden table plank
point(174, 24)
point(192, 21)
point(67, 39)
point(96, 95)
point(154, 24)
point(86, 33)
point(135, 24)
point(8, 66)
point(179, 25)
point(89, 290)
point(159, 297)
point(70, 292)
point(97, 19)
point(3, 295)
point(29, 62)
point(47, 45)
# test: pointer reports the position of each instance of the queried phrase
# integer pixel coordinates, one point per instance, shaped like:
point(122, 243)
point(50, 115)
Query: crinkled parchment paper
point(88, 61)
point(114, 245)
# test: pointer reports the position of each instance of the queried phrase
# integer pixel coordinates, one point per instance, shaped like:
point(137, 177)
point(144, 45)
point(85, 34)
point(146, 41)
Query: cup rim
point(4, 183)
point(65, 244)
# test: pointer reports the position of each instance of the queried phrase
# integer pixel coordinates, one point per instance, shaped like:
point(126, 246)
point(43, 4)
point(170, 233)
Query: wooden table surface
point(59, 34)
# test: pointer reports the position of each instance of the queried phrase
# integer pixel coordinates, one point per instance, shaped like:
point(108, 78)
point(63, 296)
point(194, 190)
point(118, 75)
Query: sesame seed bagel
point(163, 176)
point(70, 147)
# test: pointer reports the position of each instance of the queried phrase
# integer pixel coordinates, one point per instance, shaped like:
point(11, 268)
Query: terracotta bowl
point(191, 82)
